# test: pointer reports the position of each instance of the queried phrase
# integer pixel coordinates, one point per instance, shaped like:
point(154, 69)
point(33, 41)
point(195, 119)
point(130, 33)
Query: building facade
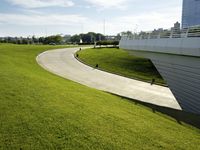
point(191, 13)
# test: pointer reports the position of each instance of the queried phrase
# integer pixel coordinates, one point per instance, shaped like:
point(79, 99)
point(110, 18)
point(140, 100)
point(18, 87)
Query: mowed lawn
point(122, 63)
point(39, 110)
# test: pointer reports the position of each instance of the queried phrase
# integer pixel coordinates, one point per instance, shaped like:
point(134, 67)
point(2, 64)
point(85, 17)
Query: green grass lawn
point(39, 110)
point(122, 63)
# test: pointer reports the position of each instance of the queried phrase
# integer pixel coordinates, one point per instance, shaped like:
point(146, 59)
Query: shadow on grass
point(179, 115)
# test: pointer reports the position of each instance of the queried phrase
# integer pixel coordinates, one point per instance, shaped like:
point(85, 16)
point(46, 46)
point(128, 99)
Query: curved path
point(63, 63)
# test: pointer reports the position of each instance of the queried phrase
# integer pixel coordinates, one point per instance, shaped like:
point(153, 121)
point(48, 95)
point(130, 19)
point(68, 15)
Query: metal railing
point(172, 33)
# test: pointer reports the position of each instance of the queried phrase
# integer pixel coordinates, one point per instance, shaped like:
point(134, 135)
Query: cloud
point(41, 3)
point(42, 19)
point(104, 4)
point(164, 18)
point(137, 22)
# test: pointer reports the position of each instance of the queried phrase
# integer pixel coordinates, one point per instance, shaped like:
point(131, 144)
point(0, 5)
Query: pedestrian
point(152, 81)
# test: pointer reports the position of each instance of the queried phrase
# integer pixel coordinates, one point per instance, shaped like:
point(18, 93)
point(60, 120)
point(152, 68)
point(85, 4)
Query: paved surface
point(63, 63)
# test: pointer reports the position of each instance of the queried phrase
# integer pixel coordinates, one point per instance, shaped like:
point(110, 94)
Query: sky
point(50, 17)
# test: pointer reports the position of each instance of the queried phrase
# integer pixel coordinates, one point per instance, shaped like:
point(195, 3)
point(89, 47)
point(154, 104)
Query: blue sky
point(48, 17)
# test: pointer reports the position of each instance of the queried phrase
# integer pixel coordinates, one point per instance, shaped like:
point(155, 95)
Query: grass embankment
point(39, 110)
point(122, 63)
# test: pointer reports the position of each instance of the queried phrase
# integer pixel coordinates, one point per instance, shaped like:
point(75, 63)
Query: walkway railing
point(157, 34)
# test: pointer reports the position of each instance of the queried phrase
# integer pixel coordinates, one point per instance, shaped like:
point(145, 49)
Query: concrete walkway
point(63, 63)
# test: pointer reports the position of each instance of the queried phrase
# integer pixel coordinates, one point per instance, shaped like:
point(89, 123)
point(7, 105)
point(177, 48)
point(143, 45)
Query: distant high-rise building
point(191, 13)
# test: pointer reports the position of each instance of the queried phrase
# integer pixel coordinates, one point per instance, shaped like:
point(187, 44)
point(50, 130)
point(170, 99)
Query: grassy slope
point(39, 110)
point(120, 62)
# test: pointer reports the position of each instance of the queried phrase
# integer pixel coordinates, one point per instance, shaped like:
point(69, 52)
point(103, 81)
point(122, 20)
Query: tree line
point(88, 38)
point(56, 39)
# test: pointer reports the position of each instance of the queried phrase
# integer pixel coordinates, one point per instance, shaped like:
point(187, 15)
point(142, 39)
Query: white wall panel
point(178, 61)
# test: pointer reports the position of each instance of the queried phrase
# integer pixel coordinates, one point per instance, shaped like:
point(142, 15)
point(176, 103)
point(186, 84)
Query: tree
point(75, 38)
point(128, 33)
point(57, 39)
point(88, 38)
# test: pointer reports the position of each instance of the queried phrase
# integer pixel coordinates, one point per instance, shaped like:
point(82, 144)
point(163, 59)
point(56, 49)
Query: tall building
point(191, 13)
